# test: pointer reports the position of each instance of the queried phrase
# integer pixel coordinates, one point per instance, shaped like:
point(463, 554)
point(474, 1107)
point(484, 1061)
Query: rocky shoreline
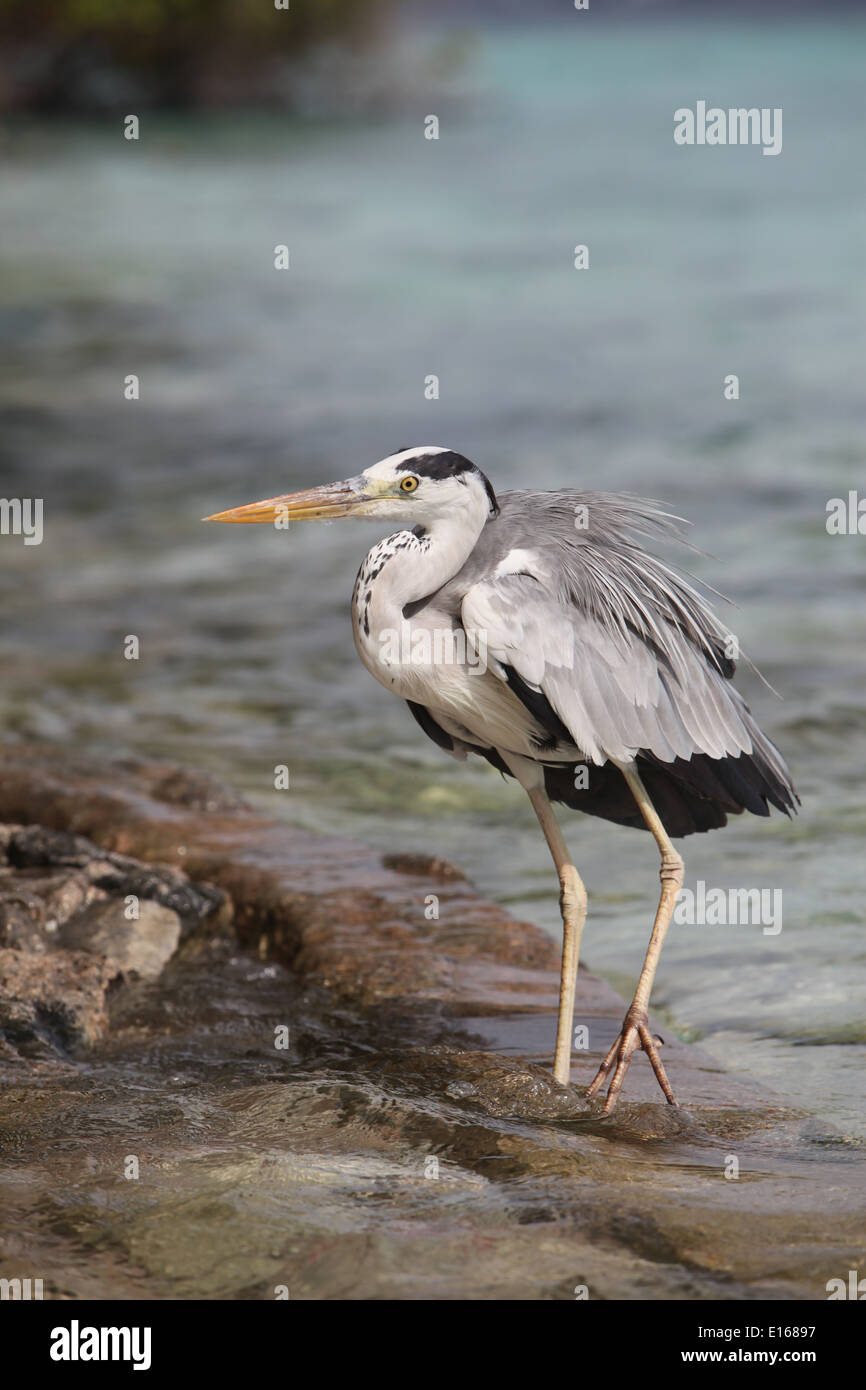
point(236, 1056)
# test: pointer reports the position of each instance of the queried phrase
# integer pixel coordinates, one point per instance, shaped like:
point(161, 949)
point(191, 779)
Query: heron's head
point(414, 486)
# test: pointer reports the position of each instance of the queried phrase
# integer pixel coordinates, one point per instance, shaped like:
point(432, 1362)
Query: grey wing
point(615, 690)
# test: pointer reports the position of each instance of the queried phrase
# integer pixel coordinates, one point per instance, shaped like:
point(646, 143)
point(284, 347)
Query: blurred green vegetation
point(58, 53)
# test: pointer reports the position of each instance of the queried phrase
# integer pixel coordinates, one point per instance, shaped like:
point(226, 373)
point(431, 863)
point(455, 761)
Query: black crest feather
point(446, 464)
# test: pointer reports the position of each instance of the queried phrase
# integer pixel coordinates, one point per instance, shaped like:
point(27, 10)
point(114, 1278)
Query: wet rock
point(370, 929)
point(22, 915)
point(142, 946)
point(403, 930)
point(52, 1005)
point(374, 1169)
point(432, 865)
point(34, 846)
point(63, 897)
point(183, 786)
point(358, 1104)
point(62, 893)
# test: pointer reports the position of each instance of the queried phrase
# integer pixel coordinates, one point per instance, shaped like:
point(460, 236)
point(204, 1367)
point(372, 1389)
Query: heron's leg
point(635, 1033)
point(572, 903)
point(572, 906)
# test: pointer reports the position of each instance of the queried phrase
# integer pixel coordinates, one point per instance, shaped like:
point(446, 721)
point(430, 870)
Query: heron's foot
point(634, 1036)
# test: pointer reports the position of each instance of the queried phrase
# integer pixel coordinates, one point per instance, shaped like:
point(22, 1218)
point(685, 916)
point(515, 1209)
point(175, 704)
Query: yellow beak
point(316, 504)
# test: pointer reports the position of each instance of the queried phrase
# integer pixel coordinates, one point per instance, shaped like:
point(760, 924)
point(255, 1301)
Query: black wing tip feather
point(607, 795)
point(691, 795)
point(748, 782)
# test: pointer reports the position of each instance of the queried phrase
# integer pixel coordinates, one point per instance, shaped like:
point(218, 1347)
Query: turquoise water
point(412, 257)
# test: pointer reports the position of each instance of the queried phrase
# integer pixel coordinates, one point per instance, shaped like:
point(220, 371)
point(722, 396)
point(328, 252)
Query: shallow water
point(375, 1158)
point(412, 257)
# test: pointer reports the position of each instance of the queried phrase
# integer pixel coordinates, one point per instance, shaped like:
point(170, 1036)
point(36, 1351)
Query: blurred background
point(412, 257)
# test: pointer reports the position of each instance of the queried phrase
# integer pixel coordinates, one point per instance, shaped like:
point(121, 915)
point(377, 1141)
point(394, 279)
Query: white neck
point(402, 569)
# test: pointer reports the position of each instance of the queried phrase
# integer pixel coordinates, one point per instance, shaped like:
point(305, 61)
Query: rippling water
point(412, 257)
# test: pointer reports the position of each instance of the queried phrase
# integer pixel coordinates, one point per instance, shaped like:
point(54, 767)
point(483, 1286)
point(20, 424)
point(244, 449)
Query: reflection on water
point(412, 257)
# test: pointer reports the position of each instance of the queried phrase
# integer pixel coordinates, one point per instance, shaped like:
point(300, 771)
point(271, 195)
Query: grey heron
point(537, 631)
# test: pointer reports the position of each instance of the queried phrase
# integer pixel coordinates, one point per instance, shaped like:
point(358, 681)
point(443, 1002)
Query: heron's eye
point(409, 483)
